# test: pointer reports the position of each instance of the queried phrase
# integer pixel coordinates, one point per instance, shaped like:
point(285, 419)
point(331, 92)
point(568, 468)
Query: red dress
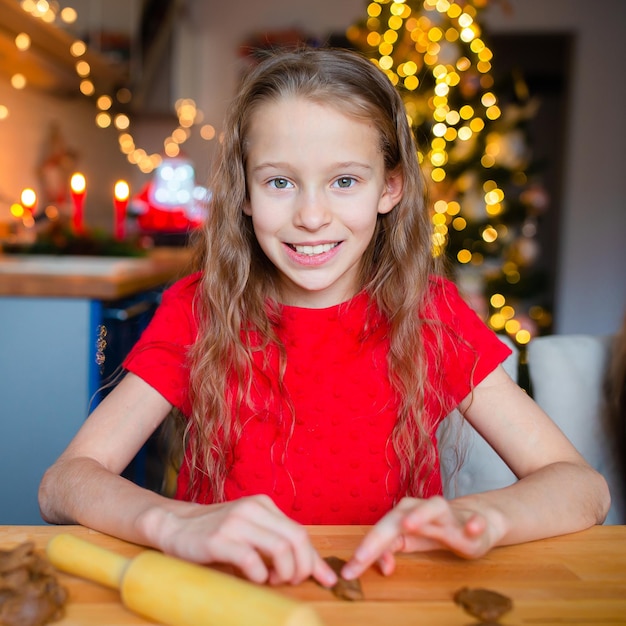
point(337, 466)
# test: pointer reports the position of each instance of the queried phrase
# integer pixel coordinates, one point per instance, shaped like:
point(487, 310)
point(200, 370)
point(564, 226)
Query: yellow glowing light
point(440, 206)
point(508, 312)
point(122, 122)
point(494, 209)
point(477, 46)
point(463, 64)
point(22, 42)
point(459, 223)
point(104, 103)
point(395, 22)
point(390, 36)
point(78, 48)
point(439, 130)
point(497, 300)
point(438, 174)
point(439, 220)
point(4, 112)
point(466, 112)
point(494, 196)
point(454, 11)
point(465, 133)
point(496, 321)
point(487, 161)
point(477, 125)
point(512, 326)
point(465, 20)
point(452, 34)
point(103, 120)
point(207, 132)
point(373, 39)
point(438, 158)
point(374, 9)
point(493, 113)
point(386, 62)
point(83, 69)
point(28, 197)
point(172, 149)
point(451, 134)
point(121, 190)
point(464, 256)
point(17, 210)
point(522, 336)
point(18, 81)
point(454, 208)
point(411, 83)
point(488, 99)
point(490, 234)
point(467, 34)
point(68, 15)
point(87, 88)
point(78, 184)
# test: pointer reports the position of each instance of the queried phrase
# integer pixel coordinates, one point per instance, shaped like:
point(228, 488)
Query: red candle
point(121, 196)
point(78, 188)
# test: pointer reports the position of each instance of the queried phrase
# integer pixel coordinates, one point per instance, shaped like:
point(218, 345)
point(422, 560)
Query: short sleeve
point(461, 349)
point(160, 355)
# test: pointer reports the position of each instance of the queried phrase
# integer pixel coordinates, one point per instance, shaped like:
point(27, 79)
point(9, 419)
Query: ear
point(246, 208)
point(392, 194)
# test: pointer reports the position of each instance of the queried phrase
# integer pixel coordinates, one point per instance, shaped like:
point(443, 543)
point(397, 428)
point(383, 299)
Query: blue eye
point(345, 182)
point(279, 183)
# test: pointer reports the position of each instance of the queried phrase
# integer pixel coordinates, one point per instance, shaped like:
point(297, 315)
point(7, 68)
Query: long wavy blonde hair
point(239, 294)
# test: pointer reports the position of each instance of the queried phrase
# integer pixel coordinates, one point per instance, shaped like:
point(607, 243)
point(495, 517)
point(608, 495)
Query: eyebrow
point(344, 165)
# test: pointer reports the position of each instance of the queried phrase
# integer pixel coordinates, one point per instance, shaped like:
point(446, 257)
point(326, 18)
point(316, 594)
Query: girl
point(313, 356)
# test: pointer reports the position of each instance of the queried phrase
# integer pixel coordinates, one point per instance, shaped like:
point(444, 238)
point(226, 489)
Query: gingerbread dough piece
point(486, 605)
point(29, 592)
point(344, 589)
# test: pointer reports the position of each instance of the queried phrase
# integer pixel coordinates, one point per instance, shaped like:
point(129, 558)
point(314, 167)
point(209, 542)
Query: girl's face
point(316, 182)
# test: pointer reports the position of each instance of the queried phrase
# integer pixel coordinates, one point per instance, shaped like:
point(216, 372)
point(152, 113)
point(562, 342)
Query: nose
point(312, 210)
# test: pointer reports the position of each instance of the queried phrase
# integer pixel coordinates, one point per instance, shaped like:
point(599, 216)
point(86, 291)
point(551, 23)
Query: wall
point(22, 137)
point(591, 289)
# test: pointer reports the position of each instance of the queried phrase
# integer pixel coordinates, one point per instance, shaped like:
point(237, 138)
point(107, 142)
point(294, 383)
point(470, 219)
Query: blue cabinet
point(51, 369)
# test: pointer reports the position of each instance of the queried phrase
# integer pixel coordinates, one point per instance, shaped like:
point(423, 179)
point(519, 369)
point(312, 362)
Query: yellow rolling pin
point(173, 592)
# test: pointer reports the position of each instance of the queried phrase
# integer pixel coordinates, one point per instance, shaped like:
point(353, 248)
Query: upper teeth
point(323, 247)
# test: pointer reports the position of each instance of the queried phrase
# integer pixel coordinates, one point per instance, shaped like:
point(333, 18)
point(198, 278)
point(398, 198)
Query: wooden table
point(577, 579)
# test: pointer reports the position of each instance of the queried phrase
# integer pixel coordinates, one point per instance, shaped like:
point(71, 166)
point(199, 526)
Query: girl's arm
point(557, 491)
point(84, 486)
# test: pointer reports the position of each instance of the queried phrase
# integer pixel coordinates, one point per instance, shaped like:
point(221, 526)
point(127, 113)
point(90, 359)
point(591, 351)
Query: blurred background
point(529, 205)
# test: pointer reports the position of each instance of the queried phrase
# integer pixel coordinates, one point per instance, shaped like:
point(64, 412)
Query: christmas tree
point(484, 186)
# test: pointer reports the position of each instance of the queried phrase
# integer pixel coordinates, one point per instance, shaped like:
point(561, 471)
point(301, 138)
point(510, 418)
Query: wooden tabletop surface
point(577, 579)
point(99, 278)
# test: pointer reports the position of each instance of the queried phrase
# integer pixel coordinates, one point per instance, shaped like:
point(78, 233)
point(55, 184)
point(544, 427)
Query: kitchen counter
point(100, 278)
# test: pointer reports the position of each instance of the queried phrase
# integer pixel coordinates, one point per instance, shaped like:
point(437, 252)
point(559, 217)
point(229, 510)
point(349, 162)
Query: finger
point(243, 557)
point(383, 537)
point(387, 563)
point(323, 573)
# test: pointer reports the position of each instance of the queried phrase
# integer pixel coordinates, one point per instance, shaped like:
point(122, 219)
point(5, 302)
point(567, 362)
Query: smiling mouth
point(313, 250)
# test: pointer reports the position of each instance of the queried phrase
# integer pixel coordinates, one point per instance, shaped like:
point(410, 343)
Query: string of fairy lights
point(189, 116)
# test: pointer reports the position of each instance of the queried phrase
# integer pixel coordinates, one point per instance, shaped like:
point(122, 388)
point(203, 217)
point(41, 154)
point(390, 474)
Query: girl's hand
point(251, 534)
point(417, 525)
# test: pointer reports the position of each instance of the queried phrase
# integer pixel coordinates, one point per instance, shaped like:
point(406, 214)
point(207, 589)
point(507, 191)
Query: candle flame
point(78, 183)
point(122, 190)
point(28, 198)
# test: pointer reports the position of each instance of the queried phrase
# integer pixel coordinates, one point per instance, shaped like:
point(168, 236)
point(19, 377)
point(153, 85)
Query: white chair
point(567, 377)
